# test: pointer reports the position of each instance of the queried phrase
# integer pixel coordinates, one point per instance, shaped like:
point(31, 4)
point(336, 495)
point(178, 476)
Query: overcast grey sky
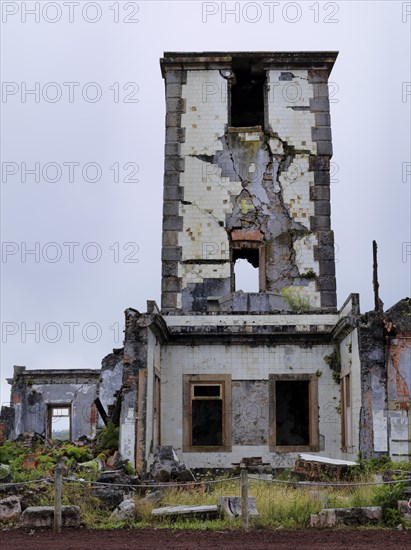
point(62, 306)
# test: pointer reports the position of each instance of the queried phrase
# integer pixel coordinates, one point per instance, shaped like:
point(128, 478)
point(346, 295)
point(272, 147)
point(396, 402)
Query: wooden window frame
point(189, 380)
point(313, 424)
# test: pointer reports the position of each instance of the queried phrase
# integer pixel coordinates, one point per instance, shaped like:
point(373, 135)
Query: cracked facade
point(223, 374)
point(229, 189)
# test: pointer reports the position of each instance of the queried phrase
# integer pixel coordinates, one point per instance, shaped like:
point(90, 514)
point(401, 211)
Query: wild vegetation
point(279, 504)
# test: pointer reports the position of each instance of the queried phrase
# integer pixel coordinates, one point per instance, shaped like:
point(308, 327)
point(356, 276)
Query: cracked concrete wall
point(219, 179)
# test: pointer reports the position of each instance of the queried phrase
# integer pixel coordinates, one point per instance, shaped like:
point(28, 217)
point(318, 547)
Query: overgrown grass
point(279, 505)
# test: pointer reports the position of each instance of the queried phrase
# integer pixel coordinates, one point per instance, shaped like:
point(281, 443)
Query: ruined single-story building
point(222, 372)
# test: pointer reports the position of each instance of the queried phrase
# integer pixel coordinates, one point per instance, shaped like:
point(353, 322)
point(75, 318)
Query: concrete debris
point(114, 461)
point(117, 477)
point(314, 468)
point(202, 512)
point(5, 475)
point(10, 509)
point(231, 506)
point(43, 516)
point(30, 440)
point(254, 465)
point(152, 498)
point(130, 508)
point(168, 467)
point(91, 465)
point(329, 517)
point(109, 497)
point(124, 511)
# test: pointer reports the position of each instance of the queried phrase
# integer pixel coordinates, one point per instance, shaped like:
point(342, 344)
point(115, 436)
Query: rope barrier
point(211, 481)
point(44, 480)
point(324, 484)
point(152, 485)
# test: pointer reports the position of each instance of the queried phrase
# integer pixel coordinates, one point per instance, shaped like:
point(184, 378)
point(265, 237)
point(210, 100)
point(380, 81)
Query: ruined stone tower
point(247, 174)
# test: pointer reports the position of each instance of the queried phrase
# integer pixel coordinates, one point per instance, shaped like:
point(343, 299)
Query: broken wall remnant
point(330, 517)
point(269, 178)
point(110, 384)
point(140, 391)
point(53, 403)
point(398, 364)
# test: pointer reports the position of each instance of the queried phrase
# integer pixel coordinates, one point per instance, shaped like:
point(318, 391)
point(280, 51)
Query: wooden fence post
point(244, 496)
point(58, 488)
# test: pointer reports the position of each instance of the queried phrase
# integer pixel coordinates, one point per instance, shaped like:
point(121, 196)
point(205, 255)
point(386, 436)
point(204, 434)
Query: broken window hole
point(247, 98)
point(246, 276)
point(246, 266)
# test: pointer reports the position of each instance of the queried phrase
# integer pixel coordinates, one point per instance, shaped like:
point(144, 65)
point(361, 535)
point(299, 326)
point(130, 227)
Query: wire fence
point(185, 484)
point(254, 499)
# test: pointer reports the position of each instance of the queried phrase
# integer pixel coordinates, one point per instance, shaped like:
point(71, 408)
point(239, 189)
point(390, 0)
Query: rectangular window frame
point(189, 382)
point(50, 408)
point(313, 445)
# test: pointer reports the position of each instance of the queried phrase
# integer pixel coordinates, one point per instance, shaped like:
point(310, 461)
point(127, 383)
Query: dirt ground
point(83, 539)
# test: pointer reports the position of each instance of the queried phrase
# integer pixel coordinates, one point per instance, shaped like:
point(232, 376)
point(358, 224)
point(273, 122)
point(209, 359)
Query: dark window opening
point(59, 423)
point(207, 416)
point(206, 413)
point(247, 98)
point(207, 391)
point(292, 413)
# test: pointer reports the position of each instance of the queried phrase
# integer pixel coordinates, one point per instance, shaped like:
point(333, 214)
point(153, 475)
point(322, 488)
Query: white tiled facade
point(204, 121)
point(209, 196)
point(246, 363)
point(293, 126)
